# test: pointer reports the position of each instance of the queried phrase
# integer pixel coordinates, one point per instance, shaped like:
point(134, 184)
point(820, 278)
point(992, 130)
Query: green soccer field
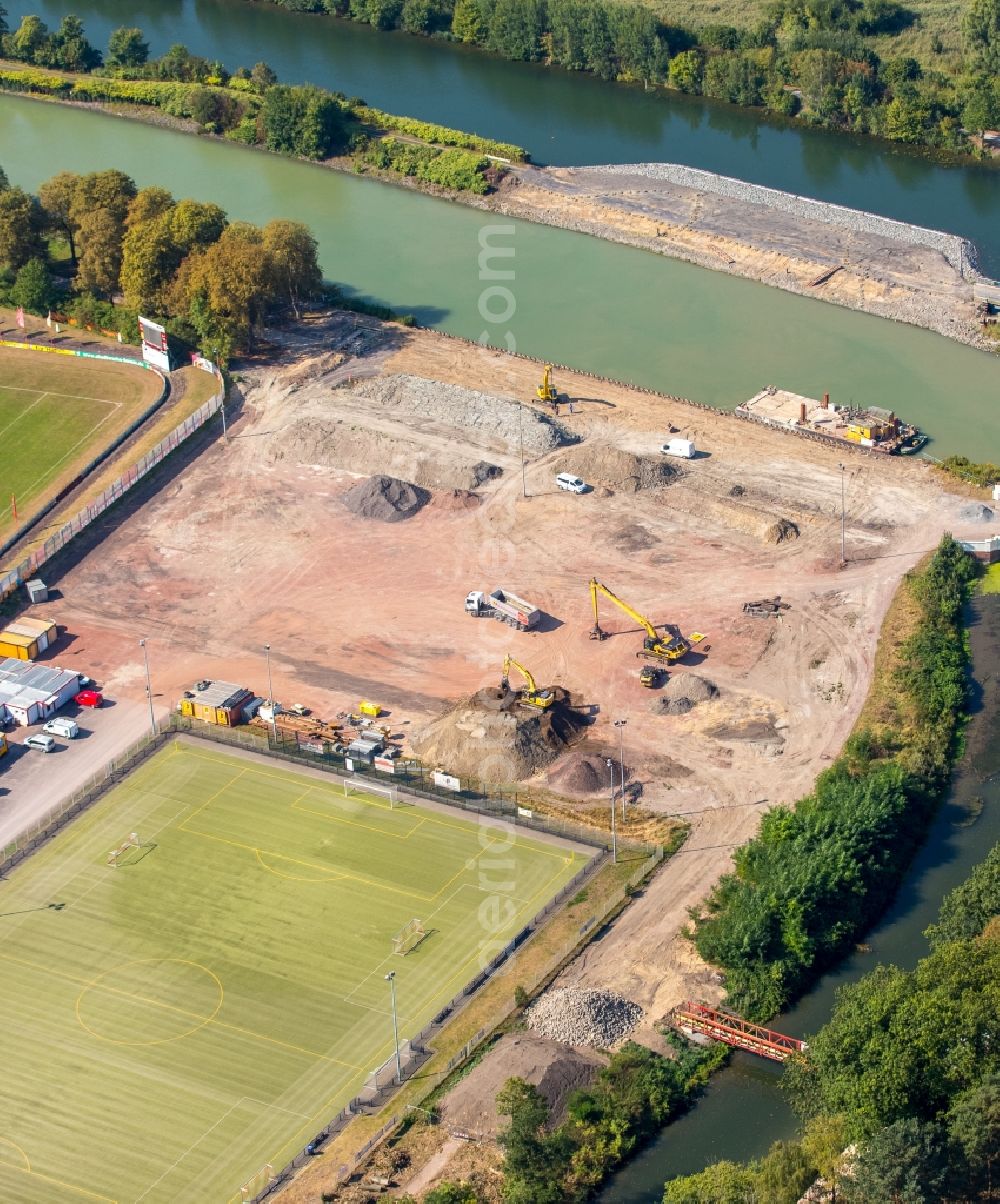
point(173, 1024)
point(56, 414)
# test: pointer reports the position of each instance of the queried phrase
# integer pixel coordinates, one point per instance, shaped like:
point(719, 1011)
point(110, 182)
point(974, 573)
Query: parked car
point(566, 480)
point(62, 727)
point(89, 698)
point(45, 743)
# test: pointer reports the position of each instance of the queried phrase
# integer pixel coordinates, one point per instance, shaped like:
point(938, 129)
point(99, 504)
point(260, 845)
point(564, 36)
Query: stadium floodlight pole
point(149, 687)
point(520, 429)
point(390, 978)
point(621, 724)
point(843, 517)
point(270, 694)
point(614, 833)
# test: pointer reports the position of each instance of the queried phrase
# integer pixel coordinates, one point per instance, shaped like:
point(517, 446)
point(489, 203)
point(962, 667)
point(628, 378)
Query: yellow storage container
point(187, 707)
point(23, 647)
point(369, 708)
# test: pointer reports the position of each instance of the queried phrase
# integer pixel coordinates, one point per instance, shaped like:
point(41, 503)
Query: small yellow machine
point(546, 390)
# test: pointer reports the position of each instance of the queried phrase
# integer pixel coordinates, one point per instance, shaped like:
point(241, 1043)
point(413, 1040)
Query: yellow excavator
point(654, 646)
point(532, 696)
point(546, 391)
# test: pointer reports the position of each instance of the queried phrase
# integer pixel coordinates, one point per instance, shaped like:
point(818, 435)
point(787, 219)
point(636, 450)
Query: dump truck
point(503, 605)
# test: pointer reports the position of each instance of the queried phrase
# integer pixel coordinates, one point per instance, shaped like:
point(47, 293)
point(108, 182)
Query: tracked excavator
point(655, 646)
point(546, 391)
point(532, 696)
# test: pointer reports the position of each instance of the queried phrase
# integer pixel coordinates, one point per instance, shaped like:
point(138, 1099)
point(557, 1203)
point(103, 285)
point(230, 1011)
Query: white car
point(62, 727)
point(45, 743)
point(566, 480)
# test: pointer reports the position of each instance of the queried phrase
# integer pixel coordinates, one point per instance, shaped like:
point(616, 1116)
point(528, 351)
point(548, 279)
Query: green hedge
point(458, 169)
point(426, 131)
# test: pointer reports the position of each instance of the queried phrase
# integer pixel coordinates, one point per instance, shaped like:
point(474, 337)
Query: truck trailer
point(503, 605)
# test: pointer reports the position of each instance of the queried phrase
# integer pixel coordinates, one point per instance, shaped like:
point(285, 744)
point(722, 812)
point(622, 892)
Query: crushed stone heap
point(385, 498)
point(597, 1018)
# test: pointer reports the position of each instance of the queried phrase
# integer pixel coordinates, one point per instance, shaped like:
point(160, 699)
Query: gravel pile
point(495, 417)
point(597, 1018)
point(682, 693)
point(957, 251)
point(385, 498)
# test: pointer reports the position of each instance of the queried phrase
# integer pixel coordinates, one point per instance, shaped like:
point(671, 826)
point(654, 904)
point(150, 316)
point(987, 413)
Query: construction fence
point(12, 578)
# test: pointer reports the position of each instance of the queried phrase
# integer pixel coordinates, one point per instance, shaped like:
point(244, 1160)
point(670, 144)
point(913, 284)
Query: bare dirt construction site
point(252, 543)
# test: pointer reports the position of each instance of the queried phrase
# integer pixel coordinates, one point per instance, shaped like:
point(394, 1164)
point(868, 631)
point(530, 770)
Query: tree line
point(906, 1073)
point(817, 874)
point(248, 105)
point(807, 59)
point(98, 246)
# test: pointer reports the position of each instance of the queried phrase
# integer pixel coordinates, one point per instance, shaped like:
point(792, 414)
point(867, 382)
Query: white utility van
point(684, 448)
point(62, 727)
point(566, 480)
point(45, 743)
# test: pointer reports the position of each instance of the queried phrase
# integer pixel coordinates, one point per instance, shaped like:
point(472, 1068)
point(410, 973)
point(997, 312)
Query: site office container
point(21, 647)
point(44, 631)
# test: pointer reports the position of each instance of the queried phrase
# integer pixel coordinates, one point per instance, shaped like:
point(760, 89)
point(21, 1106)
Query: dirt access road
point(250, 545)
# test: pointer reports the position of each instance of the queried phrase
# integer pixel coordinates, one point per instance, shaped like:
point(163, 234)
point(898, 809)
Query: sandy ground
point(246, 546)
point(874, 274)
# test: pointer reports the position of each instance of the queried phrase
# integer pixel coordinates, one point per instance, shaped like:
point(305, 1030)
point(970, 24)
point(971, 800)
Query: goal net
point(132, 841)
point(388, 792)
point(408, 937)
point(256, 1183)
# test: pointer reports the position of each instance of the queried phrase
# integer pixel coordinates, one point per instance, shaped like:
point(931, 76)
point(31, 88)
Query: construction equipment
point(654, 646)
point(650, 676)
point(503, 605)
point(372, 709)
point(532, 696)
point(766, 608)
point(546, 390)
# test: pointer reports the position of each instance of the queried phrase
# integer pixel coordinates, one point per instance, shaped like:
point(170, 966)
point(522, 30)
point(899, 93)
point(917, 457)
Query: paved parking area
point(32, 783)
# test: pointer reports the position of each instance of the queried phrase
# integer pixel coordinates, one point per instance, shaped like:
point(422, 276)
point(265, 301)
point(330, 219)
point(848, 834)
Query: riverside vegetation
point(813, 60)
point(102, 249)
point(819, 873)
point(906, 1073)
point(248, 106)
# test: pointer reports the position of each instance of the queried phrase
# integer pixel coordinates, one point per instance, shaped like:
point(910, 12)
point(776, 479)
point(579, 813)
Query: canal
point(560, 117)
point(743, 1110)
point(595, 305)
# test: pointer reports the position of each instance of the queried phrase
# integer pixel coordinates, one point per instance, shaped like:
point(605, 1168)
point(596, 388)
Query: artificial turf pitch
point(171, 1025)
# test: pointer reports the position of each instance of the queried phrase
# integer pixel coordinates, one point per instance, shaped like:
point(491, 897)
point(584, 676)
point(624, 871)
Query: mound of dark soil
point(682, 693)
point(386, 499)
point(583, 773)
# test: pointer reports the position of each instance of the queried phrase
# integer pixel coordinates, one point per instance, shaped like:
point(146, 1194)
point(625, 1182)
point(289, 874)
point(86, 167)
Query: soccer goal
point(256, 1183)
point(408, 937)
point(132, 842)
point(355, 787)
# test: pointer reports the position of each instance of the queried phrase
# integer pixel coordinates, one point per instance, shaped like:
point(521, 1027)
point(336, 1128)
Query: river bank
point(919, 280)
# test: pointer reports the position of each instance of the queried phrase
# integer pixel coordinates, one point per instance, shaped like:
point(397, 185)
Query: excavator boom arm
point(509, 663)
point(597, 587)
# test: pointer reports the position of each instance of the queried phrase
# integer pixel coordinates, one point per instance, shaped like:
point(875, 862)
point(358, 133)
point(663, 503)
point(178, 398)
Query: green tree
point(56, 199)
point(981, 107)
point(147, 204)
point(966, 910)
point(981, 27)
point(685, 71)
point(451, 1193)
point(534, 1162)
point(33, 287)
point(720, 1183)
point(823, 1143)
point(470, 21)
point(99, 265)
point(905, 1163)
point(20, 228)
point(262, 77)
point(974, 1128)
point(69, 48)
point(29, 42)
point(127, 47)
point(293, 262)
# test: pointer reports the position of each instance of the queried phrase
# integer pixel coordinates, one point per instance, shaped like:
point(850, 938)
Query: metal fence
point(12, 578)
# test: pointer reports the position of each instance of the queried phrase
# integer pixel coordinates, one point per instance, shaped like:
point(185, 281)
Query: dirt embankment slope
point(842, 263)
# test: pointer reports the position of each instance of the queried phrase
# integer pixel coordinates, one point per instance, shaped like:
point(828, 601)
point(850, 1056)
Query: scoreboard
point(154, 344)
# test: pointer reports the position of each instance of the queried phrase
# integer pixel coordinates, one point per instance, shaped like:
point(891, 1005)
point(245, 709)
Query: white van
point(566, 480)
point(684, 448)
point(62, 727)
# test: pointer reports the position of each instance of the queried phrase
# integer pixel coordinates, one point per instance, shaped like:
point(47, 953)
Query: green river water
point(609, 309)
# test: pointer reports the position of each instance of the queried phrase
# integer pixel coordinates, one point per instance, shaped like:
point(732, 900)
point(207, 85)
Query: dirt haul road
point(251, 544)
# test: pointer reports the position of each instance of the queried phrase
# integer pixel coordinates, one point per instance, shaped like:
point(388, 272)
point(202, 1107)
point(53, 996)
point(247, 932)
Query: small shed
point(218, 702)
point(25, 638)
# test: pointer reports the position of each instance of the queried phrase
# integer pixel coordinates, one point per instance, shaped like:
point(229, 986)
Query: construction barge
point(872, 429)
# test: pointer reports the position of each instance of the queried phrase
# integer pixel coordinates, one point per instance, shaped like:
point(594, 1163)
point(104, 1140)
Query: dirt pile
point(385, 498)
point(733, 512)
point(602, 465)
point(575, 1017)
point(584, 773)
point(497, 419)
point(682, 693)
point(556, 1070)
point(457, 501)
point(350, 443)
point(492, 739)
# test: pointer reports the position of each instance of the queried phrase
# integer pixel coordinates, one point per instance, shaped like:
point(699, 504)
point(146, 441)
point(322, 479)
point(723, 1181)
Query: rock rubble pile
point(597, 1018)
